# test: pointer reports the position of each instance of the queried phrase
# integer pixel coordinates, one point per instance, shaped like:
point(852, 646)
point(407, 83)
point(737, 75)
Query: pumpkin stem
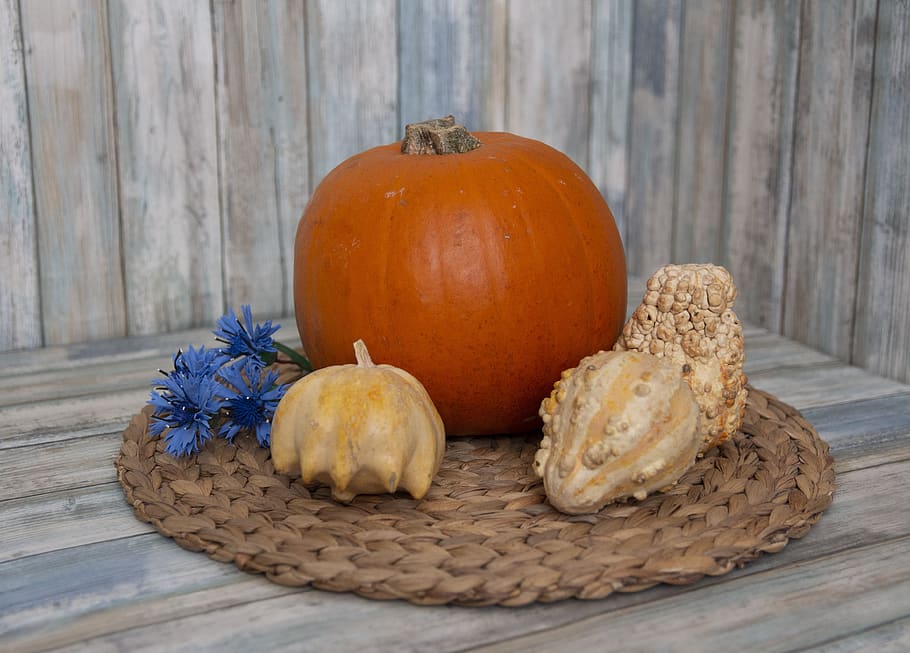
point(362, 355)
point(437, 136)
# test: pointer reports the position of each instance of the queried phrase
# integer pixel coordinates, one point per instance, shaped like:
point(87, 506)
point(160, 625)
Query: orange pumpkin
point(484, 271)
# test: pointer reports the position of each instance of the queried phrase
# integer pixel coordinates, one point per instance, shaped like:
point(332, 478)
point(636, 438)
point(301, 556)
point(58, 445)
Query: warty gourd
point(620, 425)
point(687, 316)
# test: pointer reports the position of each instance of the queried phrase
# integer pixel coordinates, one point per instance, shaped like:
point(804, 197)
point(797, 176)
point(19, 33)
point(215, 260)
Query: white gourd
point(360, 429)
point(620, 425)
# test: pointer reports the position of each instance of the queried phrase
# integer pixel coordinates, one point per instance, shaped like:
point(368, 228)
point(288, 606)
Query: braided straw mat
point(485, 534)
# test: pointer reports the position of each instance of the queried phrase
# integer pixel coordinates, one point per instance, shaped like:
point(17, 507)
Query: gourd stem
point(362, 355)
point(438, 136)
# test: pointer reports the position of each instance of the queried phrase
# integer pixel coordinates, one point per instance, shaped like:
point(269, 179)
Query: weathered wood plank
point(759, 147)
point(701, 131)
point(865, 433)
point(21, 364)
point(68, 74)
point(82, 381)
point(823, 385)
point(547, 95)
point(93, 378)
point(652, 135)
point(61, 520)
point(778, 611)
point(829, 150)
point(164, 75)
point(169, 583)
point(453, 61)
point(321, 621)
point(769, 352)
point(52, 467)
point(881, 341)
point(352, 69)
point(611, 76)
point(867, 510)
point(861, 433)
point(262, 118)
point(891, 637)
point(20, 301)
point(56, 420)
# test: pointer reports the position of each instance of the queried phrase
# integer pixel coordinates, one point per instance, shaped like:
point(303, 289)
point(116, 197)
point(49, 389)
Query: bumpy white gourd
point(687, 315)
point(360, 429)
point(620, 425)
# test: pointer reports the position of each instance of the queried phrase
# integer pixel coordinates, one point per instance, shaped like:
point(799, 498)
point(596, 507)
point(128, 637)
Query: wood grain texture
point(84, 380)
point(829, 150)
point(745, 133)
point(890, 637)
point(701, 131)
point(70, 99)
point(322, 621)
point(33, 470)
point(20, 302)
point(823, 385)
point(881, 341)
point(352, 69)
point(759, 147)
point(154, 348)
point(174, 583)
point(611, 76)
point(770, 352)
point(547, 95)
point(453, 61)
point(164, 76)
point(88, 580)
point(262, 135)
point(55, 420)
point(865, 433)
point(64, 519)
point(771, 616)
point(652, 135)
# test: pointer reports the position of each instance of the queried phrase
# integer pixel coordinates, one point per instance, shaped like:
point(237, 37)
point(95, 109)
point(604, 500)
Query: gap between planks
point(860, 433)
point(324, 620)
point(888, 637)
point(892, 557)
point(817, 544)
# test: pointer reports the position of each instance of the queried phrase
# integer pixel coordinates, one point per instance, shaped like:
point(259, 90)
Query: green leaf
point(294, 355)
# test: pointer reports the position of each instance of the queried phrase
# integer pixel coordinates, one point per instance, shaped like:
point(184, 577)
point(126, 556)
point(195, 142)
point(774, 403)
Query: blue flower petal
point(251, 398)
point(185, 400)
point(244, 338)
point(264, 434)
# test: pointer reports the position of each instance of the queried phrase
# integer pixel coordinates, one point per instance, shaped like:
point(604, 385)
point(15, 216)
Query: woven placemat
point(484, 534)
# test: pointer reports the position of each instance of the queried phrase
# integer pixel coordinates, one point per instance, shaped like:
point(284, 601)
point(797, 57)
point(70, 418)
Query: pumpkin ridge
point(385, 263)
point(548, 346)
point(528, 160)
point(486, 330)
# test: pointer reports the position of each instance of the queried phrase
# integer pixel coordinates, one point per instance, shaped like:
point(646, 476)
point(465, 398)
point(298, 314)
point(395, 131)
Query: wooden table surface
point(79, 572)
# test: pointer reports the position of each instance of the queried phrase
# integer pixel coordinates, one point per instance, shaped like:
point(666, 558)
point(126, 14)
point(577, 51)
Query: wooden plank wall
point(155, 157)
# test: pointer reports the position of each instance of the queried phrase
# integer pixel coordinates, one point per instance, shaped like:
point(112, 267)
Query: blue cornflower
point(186, 400)
point(251, 399)
point(197, 362)
point(244, 338)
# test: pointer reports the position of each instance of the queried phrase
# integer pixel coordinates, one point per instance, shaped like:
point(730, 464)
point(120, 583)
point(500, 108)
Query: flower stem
point(295, 356)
